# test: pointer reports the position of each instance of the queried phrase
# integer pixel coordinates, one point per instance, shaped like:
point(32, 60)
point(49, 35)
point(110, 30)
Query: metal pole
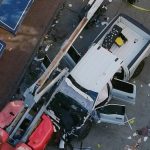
point(64, 49)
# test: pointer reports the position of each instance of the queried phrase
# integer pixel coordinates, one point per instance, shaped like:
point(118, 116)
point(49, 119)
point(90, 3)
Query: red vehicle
point(36, 141)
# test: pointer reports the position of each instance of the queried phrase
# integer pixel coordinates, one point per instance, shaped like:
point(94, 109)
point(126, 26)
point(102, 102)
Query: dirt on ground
point(20, 48)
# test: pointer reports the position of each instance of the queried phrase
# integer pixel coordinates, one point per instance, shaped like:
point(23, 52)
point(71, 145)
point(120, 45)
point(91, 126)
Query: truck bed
point(138, 39)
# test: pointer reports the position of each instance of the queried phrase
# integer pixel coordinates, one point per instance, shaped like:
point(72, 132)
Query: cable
point(139, 8)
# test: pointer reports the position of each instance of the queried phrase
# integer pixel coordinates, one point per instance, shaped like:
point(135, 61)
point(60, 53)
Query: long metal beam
point(64, 49)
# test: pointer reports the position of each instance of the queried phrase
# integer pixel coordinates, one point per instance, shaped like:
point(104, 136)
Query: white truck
point(102, 74)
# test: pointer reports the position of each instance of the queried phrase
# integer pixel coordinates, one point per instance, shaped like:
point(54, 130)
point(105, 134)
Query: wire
point(139, 8)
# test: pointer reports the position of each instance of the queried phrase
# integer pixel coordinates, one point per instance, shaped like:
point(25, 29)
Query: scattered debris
point(139, 140)
point(145, 138)
point(104, 23)
point(106, 18)
point(134, 81)
point(127, 147)
point(98, 146)
point(47, 48)
point(134, 146)
point(10, 49)
point(104, 7)
point(70, 5)
point(56, 21)
point(53, 25)
point(130, 121)
point(46, 36)
point(144, 131)
point(129, 138)
point(135, 134)
point(81, 37)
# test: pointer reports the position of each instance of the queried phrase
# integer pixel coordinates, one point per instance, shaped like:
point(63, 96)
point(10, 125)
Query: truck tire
point(84, 131)
point(138, 69)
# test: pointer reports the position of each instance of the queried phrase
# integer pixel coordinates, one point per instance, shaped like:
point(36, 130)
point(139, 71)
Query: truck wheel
point(84, 131)
point(138, 69)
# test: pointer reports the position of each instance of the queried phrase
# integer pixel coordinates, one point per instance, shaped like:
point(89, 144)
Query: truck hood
point(96, 68)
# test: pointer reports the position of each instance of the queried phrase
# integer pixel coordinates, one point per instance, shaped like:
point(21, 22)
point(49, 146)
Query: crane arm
point(35, 88)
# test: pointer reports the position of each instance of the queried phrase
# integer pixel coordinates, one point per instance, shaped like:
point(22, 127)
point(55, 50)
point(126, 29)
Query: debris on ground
point(81, 37)
point(70, 5)
point(141, 85)
point(104, 23)
point(140, 135)
point(56, 21)
point(132, 121)
point(135, 134)
point(47, 48)
point(145, 131)
point(135, 146)
point(129, 138)
point(145, 138)
point(134, 81)
point(98, 146)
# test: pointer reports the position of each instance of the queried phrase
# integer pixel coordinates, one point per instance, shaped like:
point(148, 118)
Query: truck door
point(123, 91)
point(112, 113)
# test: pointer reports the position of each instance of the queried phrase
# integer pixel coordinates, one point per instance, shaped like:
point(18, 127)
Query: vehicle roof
point(96, 68)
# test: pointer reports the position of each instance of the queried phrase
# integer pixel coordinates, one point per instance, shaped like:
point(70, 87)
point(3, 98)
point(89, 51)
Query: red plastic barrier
point(22, 146)
point(3, 136)
point(43, 133)
point(9, 112)
point(6, 146)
